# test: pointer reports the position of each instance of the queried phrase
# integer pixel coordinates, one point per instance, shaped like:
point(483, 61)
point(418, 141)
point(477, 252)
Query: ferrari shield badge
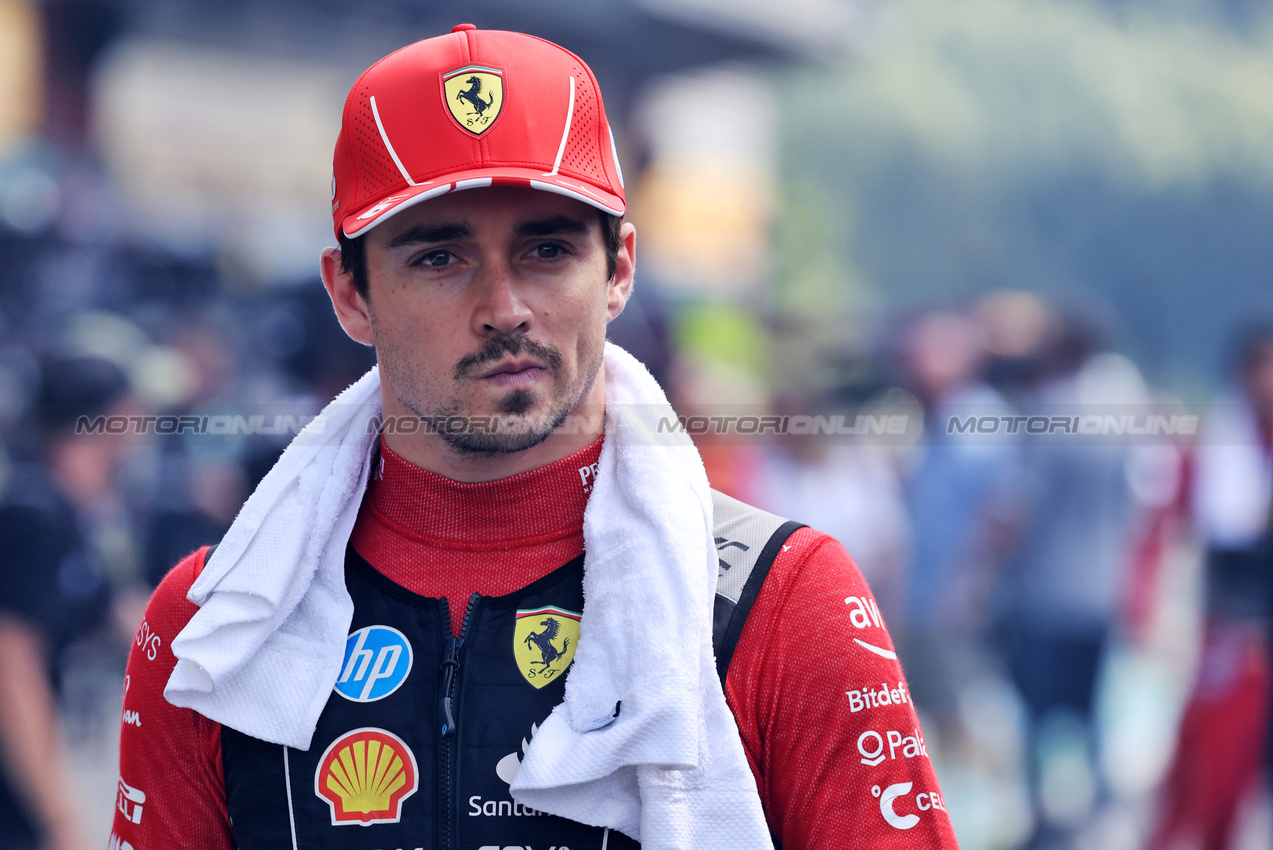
point(475, 96)
point(544, 643)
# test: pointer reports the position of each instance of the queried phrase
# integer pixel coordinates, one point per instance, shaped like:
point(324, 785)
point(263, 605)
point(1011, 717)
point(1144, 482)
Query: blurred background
point(989, 209)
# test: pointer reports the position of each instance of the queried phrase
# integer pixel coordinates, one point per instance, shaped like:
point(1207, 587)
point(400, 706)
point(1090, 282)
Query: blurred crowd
point(1082, 613)
point(1051, 592)
point(92, 516)
point(1080, 600)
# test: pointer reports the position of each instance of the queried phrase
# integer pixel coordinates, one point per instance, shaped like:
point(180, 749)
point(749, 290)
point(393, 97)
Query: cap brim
point(356, 224)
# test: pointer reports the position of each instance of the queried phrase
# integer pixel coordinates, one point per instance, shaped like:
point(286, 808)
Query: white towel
point(669, 769)
point(263, 652)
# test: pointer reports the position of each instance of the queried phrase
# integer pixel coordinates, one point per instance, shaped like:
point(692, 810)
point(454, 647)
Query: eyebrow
point(431, 233)
point(551, 226)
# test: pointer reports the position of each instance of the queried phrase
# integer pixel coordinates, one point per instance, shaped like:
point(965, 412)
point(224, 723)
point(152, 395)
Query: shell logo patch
point(544, 642)
point(365, 775)
point(474, 95)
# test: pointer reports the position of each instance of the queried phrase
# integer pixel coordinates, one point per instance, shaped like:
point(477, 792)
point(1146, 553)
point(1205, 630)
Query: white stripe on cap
point(384, 137)
point(573, 193)
point(615, 153)
point(410, 202)
point(565, 134)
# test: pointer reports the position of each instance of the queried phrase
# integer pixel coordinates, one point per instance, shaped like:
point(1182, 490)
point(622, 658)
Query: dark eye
point(548, 252)
point(435, 259)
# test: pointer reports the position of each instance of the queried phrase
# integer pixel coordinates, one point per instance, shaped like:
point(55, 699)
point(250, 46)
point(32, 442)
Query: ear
point(624, 272)
point(352, 310)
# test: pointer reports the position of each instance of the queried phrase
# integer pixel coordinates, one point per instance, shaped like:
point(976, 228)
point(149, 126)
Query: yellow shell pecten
point(365, 775)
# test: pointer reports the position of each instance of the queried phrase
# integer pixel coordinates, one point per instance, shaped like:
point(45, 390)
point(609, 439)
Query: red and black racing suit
point(819, 697)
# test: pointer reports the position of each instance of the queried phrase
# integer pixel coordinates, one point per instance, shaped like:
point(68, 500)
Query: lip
point(514, 373)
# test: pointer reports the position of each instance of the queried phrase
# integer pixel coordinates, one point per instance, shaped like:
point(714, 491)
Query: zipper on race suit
point(450, 669)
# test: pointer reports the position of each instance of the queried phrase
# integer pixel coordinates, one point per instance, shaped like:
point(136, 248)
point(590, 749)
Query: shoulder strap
point(747, 541)
point(207, 556)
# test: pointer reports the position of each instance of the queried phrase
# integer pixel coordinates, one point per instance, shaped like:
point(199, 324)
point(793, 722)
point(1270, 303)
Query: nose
point(501, 307)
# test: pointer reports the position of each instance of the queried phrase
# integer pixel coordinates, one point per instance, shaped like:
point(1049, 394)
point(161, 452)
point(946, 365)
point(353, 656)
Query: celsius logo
point(923, 801)
point(377, 661)
point(890, 794)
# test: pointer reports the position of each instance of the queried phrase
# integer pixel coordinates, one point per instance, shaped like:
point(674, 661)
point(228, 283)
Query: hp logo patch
point(377, 661)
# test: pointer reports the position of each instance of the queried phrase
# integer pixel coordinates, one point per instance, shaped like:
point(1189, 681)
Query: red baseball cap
point(470, 109)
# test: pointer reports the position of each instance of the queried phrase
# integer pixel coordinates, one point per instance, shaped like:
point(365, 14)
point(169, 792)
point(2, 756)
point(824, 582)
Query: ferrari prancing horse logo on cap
point(475, 96)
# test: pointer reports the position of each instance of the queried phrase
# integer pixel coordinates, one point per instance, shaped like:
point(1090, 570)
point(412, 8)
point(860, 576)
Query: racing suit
point(420, 751)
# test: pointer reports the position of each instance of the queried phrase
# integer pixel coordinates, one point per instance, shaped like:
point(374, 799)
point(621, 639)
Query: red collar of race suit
point(542, 503)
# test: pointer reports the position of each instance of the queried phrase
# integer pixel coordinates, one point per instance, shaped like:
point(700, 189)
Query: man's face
point(491, 303)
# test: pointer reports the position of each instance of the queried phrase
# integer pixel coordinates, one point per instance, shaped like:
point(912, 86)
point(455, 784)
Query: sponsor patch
point(887, 797)
point(506, 769)
point(871, 745)
point(474, 95)
point(129, 801)
point(377, 661)
point(867, 697)
point(544, 642)
point(365, 775)
point(508, 766)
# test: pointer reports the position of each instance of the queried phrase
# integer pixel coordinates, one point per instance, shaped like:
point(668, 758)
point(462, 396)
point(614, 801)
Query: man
point(53, 588)
point(478, 205)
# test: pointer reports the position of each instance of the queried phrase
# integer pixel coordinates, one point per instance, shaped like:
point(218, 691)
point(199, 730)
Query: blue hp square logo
point(377, 661)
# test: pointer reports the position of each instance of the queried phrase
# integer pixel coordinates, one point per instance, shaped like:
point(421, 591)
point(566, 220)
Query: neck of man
point(424, 448)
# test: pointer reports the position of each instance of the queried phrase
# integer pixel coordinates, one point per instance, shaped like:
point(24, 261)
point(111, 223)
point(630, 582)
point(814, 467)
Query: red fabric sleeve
point(825, 714)
point(171, 792)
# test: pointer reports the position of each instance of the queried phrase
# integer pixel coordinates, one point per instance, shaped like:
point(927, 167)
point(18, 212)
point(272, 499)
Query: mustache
point(495, 348)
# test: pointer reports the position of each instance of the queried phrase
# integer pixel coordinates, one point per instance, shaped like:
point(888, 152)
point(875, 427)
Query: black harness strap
point(748, 539)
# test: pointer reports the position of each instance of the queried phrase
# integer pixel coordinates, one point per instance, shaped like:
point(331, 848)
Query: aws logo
point(365, 775)
point(865, 614)
point(377, 661)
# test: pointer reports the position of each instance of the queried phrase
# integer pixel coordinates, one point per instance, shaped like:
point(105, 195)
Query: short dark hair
point(72, 387)
point(353, 253)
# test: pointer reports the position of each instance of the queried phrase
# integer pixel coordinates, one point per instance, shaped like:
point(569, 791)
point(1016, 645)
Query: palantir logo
point(377, 661)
